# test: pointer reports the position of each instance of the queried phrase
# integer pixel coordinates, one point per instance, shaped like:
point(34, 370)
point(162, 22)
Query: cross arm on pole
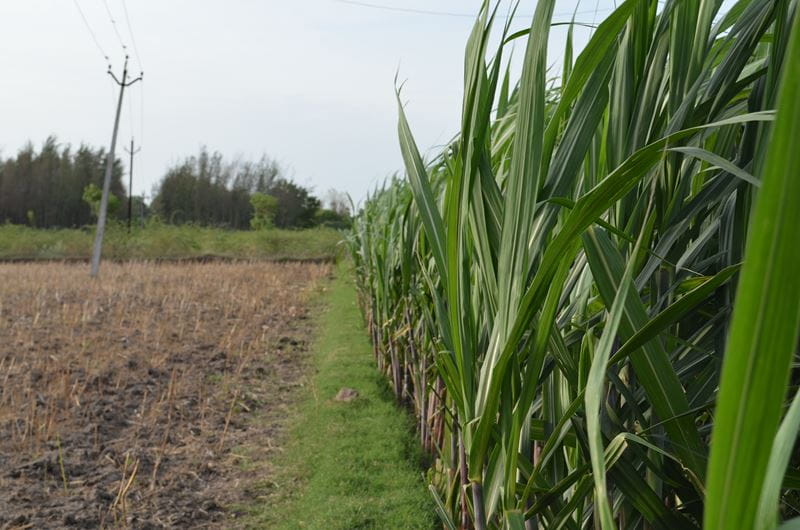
point(141, 76)
point(111, 73)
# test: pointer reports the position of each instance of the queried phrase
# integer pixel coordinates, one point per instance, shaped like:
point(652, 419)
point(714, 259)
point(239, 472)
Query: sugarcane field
point(394, 264)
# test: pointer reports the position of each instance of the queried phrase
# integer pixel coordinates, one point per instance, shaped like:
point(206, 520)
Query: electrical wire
point(447, 13)
point(594, 15)
point(141, 114)
point(133, 39)
point(114, 25)
point(113, 92)
point(141, 85)
point(130, 113)
point(91, 32)
point(405, 9)
point(141, 127)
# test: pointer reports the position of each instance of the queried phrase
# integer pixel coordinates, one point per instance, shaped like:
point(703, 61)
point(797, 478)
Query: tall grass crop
point(590, 297)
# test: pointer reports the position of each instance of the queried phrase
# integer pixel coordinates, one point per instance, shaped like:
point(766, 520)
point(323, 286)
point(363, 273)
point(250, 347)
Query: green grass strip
point(163, 241)
point(347, 465)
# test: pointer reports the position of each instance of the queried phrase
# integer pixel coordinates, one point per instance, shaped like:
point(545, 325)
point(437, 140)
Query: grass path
point(346, 465)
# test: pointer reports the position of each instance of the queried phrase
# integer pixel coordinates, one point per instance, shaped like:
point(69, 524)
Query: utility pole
point(130, 183)
point(101, 217)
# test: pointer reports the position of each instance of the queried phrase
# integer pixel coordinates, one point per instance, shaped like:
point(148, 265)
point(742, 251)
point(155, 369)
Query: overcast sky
point(309, 83)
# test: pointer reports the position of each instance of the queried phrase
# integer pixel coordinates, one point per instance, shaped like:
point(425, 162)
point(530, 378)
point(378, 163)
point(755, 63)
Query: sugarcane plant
point(590, 297)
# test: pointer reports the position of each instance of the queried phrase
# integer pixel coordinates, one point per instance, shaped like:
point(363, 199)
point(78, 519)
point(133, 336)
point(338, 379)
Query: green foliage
point(553, 293)
point(296, 205)
point(332, 219)
point(93, 195)
point(50, 182)
point(157, 240)
point(763, 338)
point(56, 188)
point(264, 209)
point(355, 461)
point(206, 190)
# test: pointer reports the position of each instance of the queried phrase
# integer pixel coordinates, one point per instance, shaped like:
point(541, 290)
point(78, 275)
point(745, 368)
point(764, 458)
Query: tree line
point(45, 188)
point(55, 187)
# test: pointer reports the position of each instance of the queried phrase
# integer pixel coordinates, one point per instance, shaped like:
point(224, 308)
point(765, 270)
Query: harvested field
point(151, 398)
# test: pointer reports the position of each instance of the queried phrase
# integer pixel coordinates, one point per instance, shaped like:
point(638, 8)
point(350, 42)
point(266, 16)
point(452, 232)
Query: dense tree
point(332, 219)
point(93, 195)
point(264, 209)
point(56, 186)
point(45, 187)
point(206, 190)
point(296, 205)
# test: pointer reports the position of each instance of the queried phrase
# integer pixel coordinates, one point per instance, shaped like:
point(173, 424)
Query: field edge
point(345, 465)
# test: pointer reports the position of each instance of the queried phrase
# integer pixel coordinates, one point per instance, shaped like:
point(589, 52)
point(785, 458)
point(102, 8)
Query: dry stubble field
point(151, 398)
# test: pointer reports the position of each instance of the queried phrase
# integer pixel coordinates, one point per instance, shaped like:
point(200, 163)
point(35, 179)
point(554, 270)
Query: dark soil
point(120, 428)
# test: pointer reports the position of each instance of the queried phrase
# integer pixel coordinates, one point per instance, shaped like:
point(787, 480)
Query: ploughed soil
point(152, 397)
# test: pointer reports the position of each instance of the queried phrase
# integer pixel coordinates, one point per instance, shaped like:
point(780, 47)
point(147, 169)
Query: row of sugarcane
point(591, 297)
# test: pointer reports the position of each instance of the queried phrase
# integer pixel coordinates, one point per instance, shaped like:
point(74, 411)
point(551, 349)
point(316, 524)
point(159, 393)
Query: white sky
point(310, 83)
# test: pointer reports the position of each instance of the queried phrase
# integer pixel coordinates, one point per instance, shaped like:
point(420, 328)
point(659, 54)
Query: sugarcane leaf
point(651, 364)
point(441, 510)
point(522, 187)
point(514, 520)
point(420, 185)
point(674, 312)
point(594, 397)
point(778, 460)
point(764, 327)
point(716, 160)
point(586, 210)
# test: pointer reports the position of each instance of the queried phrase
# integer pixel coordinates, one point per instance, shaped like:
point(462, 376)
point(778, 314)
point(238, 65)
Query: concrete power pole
point(101, 217)
point(132, 152)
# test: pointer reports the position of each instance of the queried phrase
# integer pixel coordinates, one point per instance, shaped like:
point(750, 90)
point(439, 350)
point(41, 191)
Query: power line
point(133, 39)
point(130, 113)
point(113, 90)
point(114, 25)
point(405, 9)
point(141, 87)
point(141, 114)
point(91, 31)
point(449, 13)
point(594, 16)
point(141, 130)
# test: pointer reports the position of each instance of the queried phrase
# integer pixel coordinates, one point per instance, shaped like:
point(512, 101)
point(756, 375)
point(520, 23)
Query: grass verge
point(161, 241)
point(346, 465)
